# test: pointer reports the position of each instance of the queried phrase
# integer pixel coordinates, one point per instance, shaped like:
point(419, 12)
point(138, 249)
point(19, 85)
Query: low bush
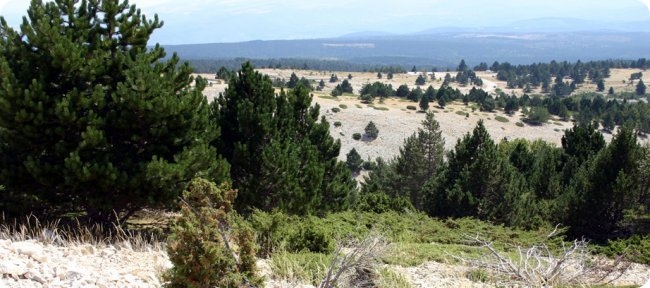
point(201, 242)
point(635, 249)
point(343, 106)
point(411, 107)
point(356, 136)
point(336, 110)
point(501, 119)
point(337, 124)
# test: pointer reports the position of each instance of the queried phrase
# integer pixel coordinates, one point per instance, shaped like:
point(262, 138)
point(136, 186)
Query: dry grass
point(55, 233)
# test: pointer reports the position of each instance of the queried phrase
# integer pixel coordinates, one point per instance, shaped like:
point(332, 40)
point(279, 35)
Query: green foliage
point(501, 119)
point(303, 267)
point(424, 103)
point(371, 131)
point(277, 232)
point(94, 120)
point(478, 275)
point(344, 87)
point(200, 247)
point(419, 159)
point(337, 124)
point(606, 188)
point(336, 109)
point(311, 237)
point(343, 106)
point(420, 80)
point(411, 107)
point(281, 154)
point(635, 249)
point(272, 231)
point(538, 115)
point(391, 279)
point(353, 161)
point(356, 136)
point(582, 142)
point(380, 202)
point(640, 88)
point(519, 124)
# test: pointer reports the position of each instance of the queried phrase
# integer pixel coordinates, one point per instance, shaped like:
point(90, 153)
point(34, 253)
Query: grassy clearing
point(501, 119)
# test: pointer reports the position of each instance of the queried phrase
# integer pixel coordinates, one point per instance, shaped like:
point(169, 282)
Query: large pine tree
point(420, 159)
point(92, 119)
point(281, 153)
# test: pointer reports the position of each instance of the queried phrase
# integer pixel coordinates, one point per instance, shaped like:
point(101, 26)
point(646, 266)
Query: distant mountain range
point(523, 42)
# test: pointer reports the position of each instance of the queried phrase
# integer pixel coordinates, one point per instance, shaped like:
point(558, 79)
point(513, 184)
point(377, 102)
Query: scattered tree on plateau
point(91, 119)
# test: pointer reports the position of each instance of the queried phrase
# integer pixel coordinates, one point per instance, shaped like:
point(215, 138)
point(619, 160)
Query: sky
point(209, 21)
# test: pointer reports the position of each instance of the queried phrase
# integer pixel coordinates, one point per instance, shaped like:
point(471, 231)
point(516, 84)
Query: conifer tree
point(91, 119)
point(640, 88)
point(608, 188)
point(469, 175)
point(419, 159)
point(281, 154)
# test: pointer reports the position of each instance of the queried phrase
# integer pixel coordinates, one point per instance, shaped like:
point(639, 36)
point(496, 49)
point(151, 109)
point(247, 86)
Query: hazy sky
point(204, 21)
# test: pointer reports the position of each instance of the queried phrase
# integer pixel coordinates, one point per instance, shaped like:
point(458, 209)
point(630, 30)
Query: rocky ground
point(36, 264)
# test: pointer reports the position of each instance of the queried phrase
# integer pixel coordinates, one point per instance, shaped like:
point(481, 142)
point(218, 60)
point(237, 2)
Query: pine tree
point(91, 119)
point(424, 103)
point(419, 159)
point(468, 177)
point(640, 88)
point(371, 131)
point(281, 153)
point(607, 189)
point(353, 161)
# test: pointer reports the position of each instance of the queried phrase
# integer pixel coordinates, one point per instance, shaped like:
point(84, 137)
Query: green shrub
point(343, 106)
point(478, 275)
point(368, 165)
point(635, 249)
point(519, 124)
point(411, 107)
point(337, 124)
point(356, 136)
point(272, 231)
point(381, 203)
point(197, 248)
point(336, 110)
point(501, 119)
point(311, 237)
